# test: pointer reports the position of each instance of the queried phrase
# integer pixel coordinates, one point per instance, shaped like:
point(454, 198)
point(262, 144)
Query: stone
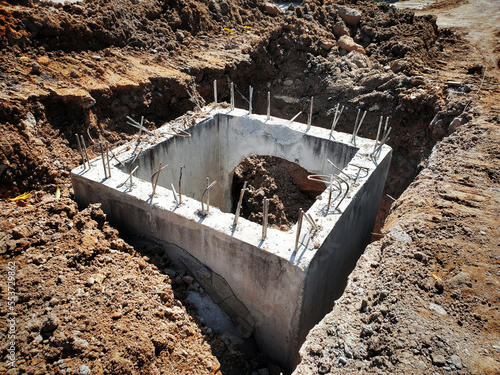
point(327, 44)
point(342, 360)
point(457, 362)
point(83, 370)
point(454, 125)
point(272, 9)
point(340, 29)
point(366, 331)
point(50, 323)
point(360, 60)
point(349, 15)
point(187, 279)
point(399, 65)
point(347, 44)
point(438, 360)
point(420, 256)
point(288, 82)
point(437, 308)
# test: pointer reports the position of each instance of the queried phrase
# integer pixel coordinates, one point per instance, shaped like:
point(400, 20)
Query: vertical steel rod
point(232, 95)
point(299, 227)
point(309, 118)
point(131, 173)
point(156, 181)
point(268, 105)
point(80, 150)
point(180, 187)
point(175, 194)
point(215, 91)
point(103, 162)
point(378, 132)
point(250, 101)
point(240, 201)
point(85, 149)
point(208, 196)
point(107, 157)
point(265, 212)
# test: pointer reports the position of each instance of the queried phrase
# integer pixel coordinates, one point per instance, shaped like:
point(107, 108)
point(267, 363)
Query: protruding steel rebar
point(240, 201)
point(250, 101)
point(137, 125)
point(180, 187)
point(107, 157)
point(336, 117)
point(232, 95)
point(311, 221)
point(338, 169)
point(299, 228)
point(175, 194)
point(157, 175)
point(208, 196)
point(130, 175)
point(85, 150)
point(103, 161)
point(268, 105)
point(357, 126)
point(265, 214)
point(215, 91)
point(378, 132)
point(341, 180)
point(203, 198)
point(80, 150)
point(309, 117)
point(326, 179)
point(294, 117)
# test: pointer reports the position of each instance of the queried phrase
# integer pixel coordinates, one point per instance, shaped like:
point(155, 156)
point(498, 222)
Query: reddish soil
point(88, 300)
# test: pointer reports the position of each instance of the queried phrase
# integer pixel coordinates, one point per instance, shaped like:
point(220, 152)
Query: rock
point(437, 129)
point(398, 234)
point(457, 362)
point(347, 44)
point(288, 82)
point(50, 323)
point(83, 370)
point(360, 60)
point(342, 361)
point(327, 44)
point(187, 279)
point(349, 15)
point(399, 65)
point(340, 29)
point(454, 125)
point(116, 314)
point(420, 256)
point(437, 308)
point(272, 9)
point(366, 331)
point(438, 360)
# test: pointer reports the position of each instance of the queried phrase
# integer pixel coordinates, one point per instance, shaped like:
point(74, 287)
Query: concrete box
point(267, 287)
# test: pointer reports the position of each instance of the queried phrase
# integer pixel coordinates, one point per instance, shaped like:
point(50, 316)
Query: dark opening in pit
point(285, 184)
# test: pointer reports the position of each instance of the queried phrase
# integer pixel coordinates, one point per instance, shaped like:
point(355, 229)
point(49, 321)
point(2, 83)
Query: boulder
point(347, 43)
point(272, 9)
point(349, 15)
point(340, 29)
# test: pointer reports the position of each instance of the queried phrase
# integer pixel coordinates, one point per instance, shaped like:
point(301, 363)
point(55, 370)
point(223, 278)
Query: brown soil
point(87, 298)
point(284, 183)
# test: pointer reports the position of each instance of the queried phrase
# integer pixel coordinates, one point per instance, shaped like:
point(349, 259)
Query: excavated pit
point(274, 285)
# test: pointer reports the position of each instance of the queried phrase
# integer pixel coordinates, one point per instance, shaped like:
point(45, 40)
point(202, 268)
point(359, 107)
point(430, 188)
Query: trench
point(410, 140)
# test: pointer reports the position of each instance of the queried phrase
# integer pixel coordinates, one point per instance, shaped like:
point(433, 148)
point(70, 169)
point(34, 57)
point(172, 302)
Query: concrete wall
point(264, 285)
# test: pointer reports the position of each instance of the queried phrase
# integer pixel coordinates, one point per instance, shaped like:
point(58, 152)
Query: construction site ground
point(82, 298)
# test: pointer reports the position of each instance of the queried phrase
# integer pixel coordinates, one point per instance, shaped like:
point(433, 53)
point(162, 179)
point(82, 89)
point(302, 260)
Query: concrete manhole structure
point(273, 284)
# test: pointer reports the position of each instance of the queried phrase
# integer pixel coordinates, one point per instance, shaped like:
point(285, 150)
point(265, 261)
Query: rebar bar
point(265, 212)
point(80, 150)
point(250, 100)
point(357, 126)
point(338, 169)
point(299, 227)
point(137, 125)
point(85, 149)
point(103, 161)
point(268, 105)
point(107, 157)
point(215, 91)
point(232, 95)
point(311, 221)
point(240, 201)
point(294, 117)
point(157, 175)
point(130, 175)
point(336, 117)
point(309, 117)
point(180, 187)
point(203, 198)
point(347, 191)
point(378, 132)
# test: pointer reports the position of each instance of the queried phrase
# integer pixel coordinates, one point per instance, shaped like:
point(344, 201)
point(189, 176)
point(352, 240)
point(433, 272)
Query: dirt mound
point(87, 300)
point(284, 183)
